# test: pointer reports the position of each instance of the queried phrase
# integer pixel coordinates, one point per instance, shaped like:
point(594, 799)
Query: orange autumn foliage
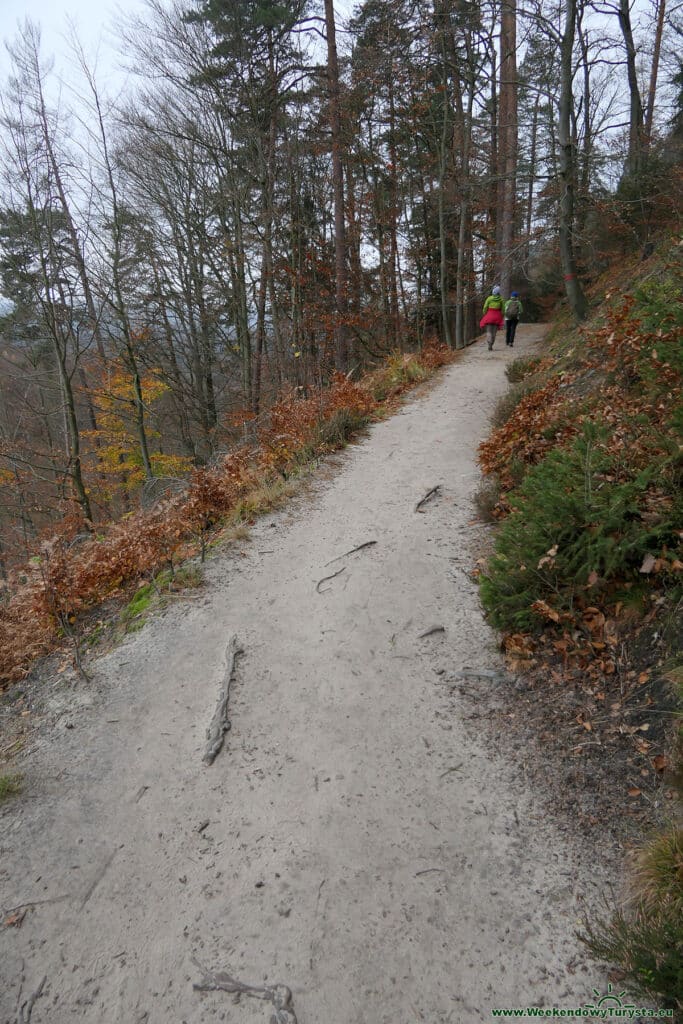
point(77, 570)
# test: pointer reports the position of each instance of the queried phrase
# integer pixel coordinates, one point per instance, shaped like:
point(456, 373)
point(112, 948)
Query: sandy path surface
point(364, 846)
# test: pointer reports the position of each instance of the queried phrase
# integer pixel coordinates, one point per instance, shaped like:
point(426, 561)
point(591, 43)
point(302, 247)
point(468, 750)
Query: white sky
point(95, 22)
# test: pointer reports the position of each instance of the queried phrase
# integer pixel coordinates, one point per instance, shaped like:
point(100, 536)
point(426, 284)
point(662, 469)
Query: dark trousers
point(510, 328)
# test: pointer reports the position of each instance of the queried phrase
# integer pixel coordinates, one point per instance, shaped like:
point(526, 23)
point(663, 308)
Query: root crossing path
point(356, 853)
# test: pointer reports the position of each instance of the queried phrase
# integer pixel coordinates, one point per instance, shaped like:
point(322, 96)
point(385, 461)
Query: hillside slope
point(586, 476)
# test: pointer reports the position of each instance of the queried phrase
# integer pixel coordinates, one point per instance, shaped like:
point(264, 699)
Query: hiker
point(513, 311)
point(493, 315)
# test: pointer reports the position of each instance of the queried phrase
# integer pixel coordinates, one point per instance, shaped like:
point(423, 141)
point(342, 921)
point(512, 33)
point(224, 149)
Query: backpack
point(512, 309)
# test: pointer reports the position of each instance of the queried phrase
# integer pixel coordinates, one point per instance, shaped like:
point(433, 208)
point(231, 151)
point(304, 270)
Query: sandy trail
point(362, 847)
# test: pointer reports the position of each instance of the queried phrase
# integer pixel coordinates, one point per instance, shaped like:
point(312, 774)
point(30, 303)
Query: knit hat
point(495, 290)
point(513, 295)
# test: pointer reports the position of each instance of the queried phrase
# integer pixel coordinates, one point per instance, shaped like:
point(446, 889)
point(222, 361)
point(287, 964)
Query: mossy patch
point(10, 785)
point(156, 593)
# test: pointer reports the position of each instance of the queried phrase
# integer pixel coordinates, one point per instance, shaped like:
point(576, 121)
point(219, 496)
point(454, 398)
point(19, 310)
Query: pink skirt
point(492, 316)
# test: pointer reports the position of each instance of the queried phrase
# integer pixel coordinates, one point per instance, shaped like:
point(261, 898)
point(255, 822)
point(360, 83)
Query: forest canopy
point(283, 193)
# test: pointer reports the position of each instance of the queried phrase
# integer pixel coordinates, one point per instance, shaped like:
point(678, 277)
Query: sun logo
point(610, 998)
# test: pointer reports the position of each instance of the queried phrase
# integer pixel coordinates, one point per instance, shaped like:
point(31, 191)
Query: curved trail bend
point(363, 847)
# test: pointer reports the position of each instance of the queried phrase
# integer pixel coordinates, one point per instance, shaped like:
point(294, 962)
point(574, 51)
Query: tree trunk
point(354, 239)
point(119, 303)
point(176, 376)
point(465, 227)
point(507, 141)
point(32, 40)
point(587, 147)
point(341, 354)
point(530, 189)
point(394, 208)
point(139, 410)
point(443, 156)
point(635, 125)
point(654, 71)
point(242, 314)
point(567, 169)
point(494, 225)
point(73, 433)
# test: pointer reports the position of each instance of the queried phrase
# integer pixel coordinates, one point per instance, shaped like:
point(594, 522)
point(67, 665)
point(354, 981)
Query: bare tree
point(112, 290)
point(36, 188)
point(567, 166)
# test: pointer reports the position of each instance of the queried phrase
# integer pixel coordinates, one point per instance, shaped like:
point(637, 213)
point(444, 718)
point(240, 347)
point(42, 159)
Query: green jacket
point(493, 302)
point(520, 309)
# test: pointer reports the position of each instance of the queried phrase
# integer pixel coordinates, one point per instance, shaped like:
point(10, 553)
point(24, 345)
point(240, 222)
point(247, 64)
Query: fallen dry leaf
point(594, 619)
point(634, 791)
point(544, 609)
point(15, 920)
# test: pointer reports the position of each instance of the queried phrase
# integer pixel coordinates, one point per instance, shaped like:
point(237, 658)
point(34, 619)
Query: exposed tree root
point(428, 495)
point(279, 995)
point(326, 578)
point(429, 632)
point(367, 544)
point(220, 723)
